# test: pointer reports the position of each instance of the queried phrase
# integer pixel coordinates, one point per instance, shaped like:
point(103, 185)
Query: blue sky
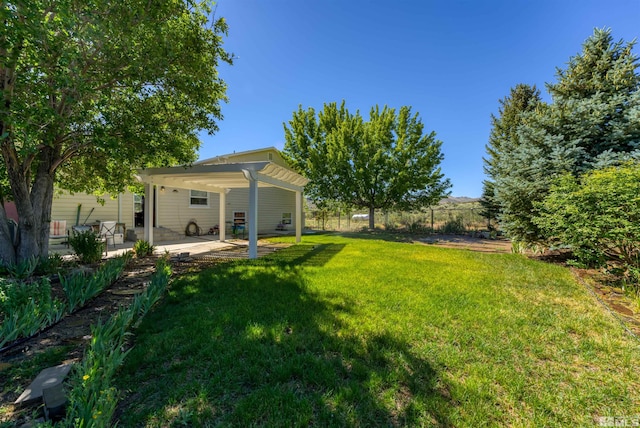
point(450, 60)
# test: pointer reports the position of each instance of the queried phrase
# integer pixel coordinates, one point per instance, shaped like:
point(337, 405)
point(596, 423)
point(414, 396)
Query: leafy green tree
point(592, 122)
point(385, 163)
point(503, 139)
point(597, 215)
point(94, 89)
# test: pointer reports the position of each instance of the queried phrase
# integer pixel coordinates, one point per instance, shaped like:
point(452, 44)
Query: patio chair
point(107, 232)
point(58, 230)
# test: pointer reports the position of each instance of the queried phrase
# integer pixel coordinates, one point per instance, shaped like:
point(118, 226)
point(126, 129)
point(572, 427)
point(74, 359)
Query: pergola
point(221, 178)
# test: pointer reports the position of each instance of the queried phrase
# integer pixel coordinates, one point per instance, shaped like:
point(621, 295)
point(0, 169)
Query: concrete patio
point(194, 245)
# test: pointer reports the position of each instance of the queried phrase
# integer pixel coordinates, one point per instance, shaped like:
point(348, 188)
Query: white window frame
point(191, 197)
point(287, 218)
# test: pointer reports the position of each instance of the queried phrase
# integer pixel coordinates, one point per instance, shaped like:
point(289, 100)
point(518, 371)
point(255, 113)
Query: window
point(198, 198)
point(239, 218)
point(138, 203)
point(286, 218)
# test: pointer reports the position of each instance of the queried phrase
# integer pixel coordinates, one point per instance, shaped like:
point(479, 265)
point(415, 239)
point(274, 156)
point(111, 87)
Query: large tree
point(593, 121)
point(388, 162)
point(503, 139)
point(90, 90)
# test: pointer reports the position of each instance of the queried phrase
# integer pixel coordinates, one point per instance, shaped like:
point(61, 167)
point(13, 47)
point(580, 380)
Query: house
point(253, 192)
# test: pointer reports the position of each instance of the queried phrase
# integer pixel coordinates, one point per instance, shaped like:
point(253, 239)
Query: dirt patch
point(464, 242)
point(612, 297)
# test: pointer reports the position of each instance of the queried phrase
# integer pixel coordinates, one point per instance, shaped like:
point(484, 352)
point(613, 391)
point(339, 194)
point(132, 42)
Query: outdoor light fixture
point(162, 188)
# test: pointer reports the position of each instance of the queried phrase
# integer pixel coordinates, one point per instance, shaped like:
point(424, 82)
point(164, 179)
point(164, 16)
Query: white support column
point(148, 213)
point(222, 225)
point(253, 213)
point(298, 216)
point(253, 219)
point(120, 207)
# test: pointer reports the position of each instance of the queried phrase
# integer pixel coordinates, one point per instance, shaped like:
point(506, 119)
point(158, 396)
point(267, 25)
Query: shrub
point(87, 245)
point(454, 225)
point(143, 248)
point(597, 215)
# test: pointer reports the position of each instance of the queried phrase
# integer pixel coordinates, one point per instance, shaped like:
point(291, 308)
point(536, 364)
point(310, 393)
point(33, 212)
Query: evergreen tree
point(503, 139)
point(592, 121)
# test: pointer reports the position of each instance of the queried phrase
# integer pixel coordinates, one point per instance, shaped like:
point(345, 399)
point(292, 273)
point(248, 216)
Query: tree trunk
point(372, 220)
point(33, 203)
point(7, 252)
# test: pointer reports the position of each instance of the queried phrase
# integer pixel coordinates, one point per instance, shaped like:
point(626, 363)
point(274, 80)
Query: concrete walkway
point(194, 245)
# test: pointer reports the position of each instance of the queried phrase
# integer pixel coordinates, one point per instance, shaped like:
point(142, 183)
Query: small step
point(47, 378)
point(160, 234)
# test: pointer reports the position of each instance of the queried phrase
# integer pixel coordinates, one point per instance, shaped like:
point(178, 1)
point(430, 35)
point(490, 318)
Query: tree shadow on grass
point(249, 344)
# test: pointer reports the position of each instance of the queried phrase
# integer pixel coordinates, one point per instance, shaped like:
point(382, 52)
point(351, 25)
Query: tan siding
point(65, 207)
point(272, 202)
point(175, 213)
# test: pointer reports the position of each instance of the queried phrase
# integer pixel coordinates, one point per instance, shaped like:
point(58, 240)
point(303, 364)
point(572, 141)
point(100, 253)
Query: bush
point(597, 215)
point(87, 245)
point(454, 225)
point(143, 248)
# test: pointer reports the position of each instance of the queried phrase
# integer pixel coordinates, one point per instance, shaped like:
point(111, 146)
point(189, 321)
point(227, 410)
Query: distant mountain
point(458, 200)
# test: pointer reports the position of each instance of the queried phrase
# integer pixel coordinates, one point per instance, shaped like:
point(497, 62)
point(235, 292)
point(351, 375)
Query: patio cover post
point(298, 216)
point(222, 221)
point(253, 212)
point(148, 212)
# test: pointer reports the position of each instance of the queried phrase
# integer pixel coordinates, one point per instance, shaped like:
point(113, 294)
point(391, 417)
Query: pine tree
point(593, 120)
point(503, 139)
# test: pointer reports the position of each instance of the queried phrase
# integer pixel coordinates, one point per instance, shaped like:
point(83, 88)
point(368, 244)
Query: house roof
point(220, 177)
point(254, 155)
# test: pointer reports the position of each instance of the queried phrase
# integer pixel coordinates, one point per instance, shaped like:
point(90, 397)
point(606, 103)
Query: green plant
point(454, 225)
point(597, 215)
point(143, 248)
point(26, 308)
point(87, 245)
point(518, 247)
point(23, 269)
point(53, 264)
point(79, 288)
point(74, 289)
point(93, 398)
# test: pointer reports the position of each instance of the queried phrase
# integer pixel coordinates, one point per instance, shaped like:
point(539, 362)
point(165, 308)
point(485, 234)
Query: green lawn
point(341, 331)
